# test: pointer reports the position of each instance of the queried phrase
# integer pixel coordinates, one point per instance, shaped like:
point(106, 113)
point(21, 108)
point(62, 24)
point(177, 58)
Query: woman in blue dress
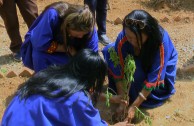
point(61, 95)
point(155, 59)
point(57, 34)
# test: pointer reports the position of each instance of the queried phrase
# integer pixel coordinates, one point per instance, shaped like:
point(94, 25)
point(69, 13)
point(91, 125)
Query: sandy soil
point(178, 21)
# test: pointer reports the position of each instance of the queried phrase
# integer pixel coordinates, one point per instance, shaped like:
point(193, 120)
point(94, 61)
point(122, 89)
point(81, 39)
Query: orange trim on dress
point(52, 47)
point(112, 74)
point(157, 83)
point(121, 42)
point(120, 54)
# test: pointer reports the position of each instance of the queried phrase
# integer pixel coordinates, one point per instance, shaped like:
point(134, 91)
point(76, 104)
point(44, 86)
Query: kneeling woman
point(59, 95)
point(155, 58)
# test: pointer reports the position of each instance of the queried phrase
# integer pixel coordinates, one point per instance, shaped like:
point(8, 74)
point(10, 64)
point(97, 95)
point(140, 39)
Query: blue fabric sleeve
point(93, 41)
point(85, 114)
point(157, 73)
point(43, 33)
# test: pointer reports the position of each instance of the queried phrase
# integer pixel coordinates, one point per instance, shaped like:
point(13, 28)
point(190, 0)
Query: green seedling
point(3, 70)
point(140, 115)
point(129, 69)
point(108, 96)
point(113, 56)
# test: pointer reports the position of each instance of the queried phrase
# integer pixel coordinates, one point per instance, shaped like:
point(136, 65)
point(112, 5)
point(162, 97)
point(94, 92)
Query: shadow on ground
point(6, 59)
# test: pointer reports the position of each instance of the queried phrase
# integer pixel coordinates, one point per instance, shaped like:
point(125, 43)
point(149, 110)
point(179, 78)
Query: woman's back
point(38, 110)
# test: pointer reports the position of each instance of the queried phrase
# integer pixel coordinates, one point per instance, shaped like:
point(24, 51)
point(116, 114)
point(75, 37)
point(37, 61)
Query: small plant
point(108, 96)
point(129, 70)
point(113, 56)
point(3, 70)
point(140, 115)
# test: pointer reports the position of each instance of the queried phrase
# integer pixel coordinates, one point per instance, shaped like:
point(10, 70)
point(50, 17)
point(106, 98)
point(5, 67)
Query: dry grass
point(171, 3)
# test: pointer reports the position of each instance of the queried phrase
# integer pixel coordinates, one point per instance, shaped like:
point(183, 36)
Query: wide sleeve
point(92, 42)
point(85, 114)
point(155, 77)
point(43, 33)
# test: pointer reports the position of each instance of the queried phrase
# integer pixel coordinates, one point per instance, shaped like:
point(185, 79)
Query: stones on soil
point(177, 18)
point(1, 75)
point(118, 21)
point(11, 74)
point(23, 73)
point(165, 19)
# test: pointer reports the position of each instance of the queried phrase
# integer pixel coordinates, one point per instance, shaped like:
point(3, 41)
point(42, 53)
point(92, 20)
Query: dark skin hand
point(71, 50)
point(1, 3)
point(113, 99)
point(125, 123)
point(136, 103)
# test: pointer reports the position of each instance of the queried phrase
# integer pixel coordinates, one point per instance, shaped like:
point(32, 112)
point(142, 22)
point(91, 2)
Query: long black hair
point(85, 71)
point(152, 30)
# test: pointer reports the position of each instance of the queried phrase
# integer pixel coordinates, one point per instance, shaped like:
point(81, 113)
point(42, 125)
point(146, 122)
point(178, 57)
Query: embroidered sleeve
point(52, 47)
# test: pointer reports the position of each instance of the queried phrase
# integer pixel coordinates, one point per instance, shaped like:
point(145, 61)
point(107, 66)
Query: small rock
point(25, 73)
point(165, 19)
point(177, 19)
point(187, 19)
point(1, 75)
point(11, 74)
point(168, 117)
point(118, 21)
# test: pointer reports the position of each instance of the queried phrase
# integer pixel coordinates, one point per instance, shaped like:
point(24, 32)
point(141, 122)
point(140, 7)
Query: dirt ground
point(178, 20)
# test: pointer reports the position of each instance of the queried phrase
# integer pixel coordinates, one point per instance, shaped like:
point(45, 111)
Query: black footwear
point(104, 39)
point(17, 56)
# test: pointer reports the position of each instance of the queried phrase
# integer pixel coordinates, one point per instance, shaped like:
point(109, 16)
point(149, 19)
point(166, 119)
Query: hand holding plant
point(121, 109)
point(131, 113)
point(118, 99)
point(125, 123)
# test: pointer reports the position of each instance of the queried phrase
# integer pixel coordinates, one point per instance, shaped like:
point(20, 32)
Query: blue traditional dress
point(39, 41)
point(159, 80)
point(36, 110)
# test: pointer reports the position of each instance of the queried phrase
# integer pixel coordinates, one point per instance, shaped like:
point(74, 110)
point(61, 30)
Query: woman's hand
point(120, 109)
point(131, 114)
point(118, 99)
point(123, 124)
point(1, 3)
point(71, 50)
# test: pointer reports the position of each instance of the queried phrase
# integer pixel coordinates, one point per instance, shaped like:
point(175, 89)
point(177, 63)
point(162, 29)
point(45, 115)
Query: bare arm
point(138, 101)
point(1, 3)
point(60, 48)
point(113, 99)
point(122, 92)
